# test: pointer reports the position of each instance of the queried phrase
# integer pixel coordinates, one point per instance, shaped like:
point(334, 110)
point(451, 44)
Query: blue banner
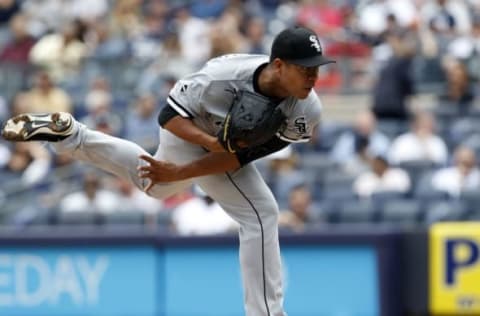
point(104, 281)
point(320, 280)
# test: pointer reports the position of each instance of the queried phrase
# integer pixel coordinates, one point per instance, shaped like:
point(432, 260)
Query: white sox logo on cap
point(299, 46)
point(315, 43)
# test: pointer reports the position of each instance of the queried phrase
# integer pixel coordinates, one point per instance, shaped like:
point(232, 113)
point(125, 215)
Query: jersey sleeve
point(247, 155)
point(302, 120)
point(185, 96)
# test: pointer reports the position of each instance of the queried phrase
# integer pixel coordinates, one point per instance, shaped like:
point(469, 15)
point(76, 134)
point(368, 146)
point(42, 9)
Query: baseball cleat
point(52, 127)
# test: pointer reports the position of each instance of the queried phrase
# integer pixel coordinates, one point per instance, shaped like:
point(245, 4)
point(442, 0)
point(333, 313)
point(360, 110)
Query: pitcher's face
point(298, 80)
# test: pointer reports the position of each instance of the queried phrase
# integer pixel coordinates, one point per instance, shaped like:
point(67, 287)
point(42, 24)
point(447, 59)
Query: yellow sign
point(455, 268)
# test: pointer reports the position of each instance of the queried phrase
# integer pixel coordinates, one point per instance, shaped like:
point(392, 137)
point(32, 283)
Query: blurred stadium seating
point(144, 56)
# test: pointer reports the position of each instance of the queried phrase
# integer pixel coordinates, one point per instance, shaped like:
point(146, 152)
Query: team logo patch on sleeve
point(300, 125)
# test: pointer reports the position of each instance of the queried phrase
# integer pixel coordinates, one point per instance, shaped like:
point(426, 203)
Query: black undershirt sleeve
point(247, 155)
point(166, 114)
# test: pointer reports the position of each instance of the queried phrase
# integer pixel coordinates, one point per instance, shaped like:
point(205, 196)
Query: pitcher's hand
point(215, 146)
point(158, 171)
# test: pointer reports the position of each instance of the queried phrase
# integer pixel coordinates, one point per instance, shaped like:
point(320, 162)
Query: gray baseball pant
point(243, 194)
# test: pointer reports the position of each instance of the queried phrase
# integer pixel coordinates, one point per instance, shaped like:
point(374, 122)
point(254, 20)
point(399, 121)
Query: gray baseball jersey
point(205, 97)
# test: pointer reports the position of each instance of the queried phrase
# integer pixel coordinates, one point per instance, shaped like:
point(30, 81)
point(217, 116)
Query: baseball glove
point(251, 121)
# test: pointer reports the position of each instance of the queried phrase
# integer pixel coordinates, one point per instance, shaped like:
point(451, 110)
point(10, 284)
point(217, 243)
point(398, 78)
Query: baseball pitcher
point(236, 109)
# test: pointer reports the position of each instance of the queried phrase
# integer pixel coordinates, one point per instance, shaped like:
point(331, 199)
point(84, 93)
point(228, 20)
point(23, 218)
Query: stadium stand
point(121, 52)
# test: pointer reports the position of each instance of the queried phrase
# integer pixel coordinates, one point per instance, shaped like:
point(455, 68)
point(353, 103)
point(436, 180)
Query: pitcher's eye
point(309, 71)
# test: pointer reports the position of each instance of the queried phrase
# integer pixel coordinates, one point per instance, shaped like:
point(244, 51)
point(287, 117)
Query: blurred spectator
point(8, 8)
point(322, 16)
point(300, 213)
point(30, 161)
point(4, 109)
point(382, 177)
point(379, 17)
point(225, 35)
point(282, 172)
point(395, 82)
point(360, 161)
point(364, 130)
point(126, 18)
point(160, 76)
point(459, 92)
point(87, 11)
point(446, 17)
point(98, 103)
point(443, 19)
point(464, 45)
point(20, 103)
point(147, 43)
point(157, 8)
point(5, 154)
point(194, 37)
point(201, 215)
point(132, 199)
point(17, 49)
point(62, 52)
point(329, 79)
point(463, 175)
point(102, 44)
point(40, 13)
point(45, 96)
point(466, 48)
point(141, 124)
point(405, 12)
point(66, 172)
point(66, 161)
point(421, 143)
point(351, 49)
point(256, 36)
point(372, 20)
point(92, 198)
point(207, 9)
point(271, 5)
point(392, 28)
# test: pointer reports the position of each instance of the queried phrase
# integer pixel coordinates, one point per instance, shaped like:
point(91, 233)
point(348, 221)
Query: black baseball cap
point(299, 46)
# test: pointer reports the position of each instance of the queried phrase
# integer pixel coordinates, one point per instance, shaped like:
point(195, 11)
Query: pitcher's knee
point(269, 214)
